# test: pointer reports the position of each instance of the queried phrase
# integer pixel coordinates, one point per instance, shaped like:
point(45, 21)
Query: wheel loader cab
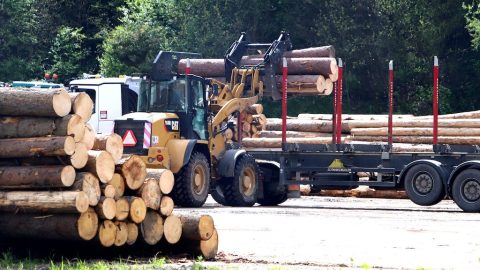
point(184, 96)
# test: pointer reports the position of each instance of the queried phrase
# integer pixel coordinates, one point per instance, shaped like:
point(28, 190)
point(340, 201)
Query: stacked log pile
point(312, 71)
point(61, 181)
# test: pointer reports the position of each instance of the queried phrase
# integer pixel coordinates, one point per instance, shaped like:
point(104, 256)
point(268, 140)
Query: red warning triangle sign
point(129, 139)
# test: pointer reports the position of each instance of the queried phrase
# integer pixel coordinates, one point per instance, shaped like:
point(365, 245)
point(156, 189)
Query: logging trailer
point(181, 117)
point(448, 171)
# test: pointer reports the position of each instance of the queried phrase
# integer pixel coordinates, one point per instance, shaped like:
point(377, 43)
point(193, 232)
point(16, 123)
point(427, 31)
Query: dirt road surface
point(333, 233)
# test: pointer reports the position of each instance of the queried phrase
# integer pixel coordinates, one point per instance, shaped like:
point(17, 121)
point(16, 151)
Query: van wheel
point(423, 185)
point(466, 190)
point(241, 190)
point(192, 182)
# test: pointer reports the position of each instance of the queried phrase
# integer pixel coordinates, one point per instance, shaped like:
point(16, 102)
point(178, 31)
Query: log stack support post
point(339, 88)
point(390, 104)
point(435, 100)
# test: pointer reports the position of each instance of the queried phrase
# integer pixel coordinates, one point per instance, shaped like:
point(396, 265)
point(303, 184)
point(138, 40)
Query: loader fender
point(180, 152)
point(226, 165)
point(435, 164)
point(472, 164)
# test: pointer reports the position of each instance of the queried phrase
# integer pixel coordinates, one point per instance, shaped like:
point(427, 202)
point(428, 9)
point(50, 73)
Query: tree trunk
point(89, 136)
point(82, 105)
point(36, 177)
point(203, 67)
point(52, 227)
point(172, 229)
point(71, 124)
point(196, 227)
point(300, 125)
point(138, 209)
point(25, 127)
point(356, 117)
point(44, 201)
point(323, 51)
point(121, 236)
point(101, 164)
point(108, 191)
point(462, 115)
point(152, 228)
point(348, 125)
point(277, 142)
point(32, 147)
point(134, 170)
point(166, 206)
point(421, 139)
point(398, 131)
point(107, 232)
point(123, 209)
point(32, 102)
point(119, 184)
point(88, 183)
point(106, 208)
point(80, 157)
point(112, 143)
point(165, 179)
point(292, 134)
point(132, 233)
point(151, 194)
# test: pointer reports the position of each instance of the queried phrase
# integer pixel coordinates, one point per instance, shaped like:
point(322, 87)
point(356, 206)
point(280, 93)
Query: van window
point(129, 100)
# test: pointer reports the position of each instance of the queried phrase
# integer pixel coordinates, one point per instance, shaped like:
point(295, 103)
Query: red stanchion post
point(284, 100)
point(390, 103)
point(334, 113)
point(339, 101)
point(435, 100)
point(188, 68)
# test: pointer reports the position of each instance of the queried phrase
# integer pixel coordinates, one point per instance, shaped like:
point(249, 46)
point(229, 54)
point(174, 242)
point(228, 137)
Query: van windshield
point(162, 96)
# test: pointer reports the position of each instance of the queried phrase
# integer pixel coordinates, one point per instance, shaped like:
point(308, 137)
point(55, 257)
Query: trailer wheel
point(192, 182)
point(241, 190)
point(423, 185)
point(466, 190)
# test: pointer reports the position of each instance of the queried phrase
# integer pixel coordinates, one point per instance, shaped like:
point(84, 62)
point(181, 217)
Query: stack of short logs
point(252, 123)
point(311, 71)
point(61, 181)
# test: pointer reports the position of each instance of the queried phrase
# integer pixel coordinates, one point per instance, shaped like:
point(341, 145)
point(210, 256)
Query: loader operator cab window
point(199, 113)
point(168, 96)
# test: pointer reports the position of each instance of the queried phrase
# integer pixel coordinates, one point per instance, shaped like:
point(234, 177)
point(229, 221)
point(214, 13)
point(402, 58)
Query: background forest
point(114, 37)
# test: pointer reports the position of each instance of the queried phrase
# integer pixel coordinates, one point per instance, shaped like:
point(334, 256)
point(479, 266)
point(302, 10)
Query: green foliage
point(68, 52)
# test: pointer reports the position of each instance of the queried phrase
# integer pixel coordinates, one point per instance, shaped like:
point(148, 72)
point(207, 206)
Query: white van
point(112, 98)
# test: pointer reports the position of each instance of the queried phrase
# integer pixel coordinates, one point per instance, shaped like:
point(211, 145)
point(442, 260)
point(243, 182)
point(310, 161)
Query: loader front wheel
point(241, 189)
point(192, 182)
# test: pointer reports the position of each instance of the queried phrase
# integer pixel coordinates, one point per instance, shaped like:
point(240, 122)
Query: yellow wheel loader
point(181, 118)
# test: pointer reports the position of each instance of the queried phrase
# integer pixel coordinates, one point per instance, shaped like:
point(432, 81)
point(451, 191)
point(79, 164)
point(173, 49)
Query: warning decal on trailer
point(129, 139)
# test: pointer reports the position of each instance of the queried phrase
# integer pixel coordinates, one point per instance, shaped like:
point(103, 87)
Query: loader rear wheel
point(192, 182)
point(241, 190)
point(217, 193)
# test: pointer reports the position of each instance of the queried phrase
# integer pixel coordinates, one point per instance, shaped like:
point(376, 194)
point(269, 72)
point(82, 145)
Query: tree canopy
point(123, 36)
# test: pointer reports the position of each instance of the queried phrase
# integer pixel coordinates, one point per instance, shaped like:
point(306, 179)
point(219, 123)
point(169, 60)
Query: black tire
point(423, 185)
point(217, 193)
point(240, 190)
point(466, 190)
point(273, 198)
point(192, 183)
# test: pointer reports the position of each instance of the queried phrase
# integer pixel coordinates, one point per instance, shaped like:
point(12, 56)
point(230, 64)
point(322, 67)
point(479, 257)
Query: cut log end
point(132, 233)
point(62, 103)
point(151, 194)
point(69, 146)
point(138, 210)
point(109, 191)
point(209, 248)
point(68, 176)
point(123, 209)
point(89, 136)
point(88, 183)
point(166, 206)
point(152, 228)
point(205, 226)
point(119, 184)
point(115, 146)
point(135, 171)
point(81, 202)
point(107, 208)
point(121, 236)
point(82, 105)
point(172, 229)
point(87, 224)
point(107, 233)
point(80, 156)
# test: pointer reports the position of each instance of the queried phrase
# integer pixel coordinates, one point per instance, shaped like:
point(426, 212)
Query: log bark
point(32, 102)
point(106, 208)
point(172, 229)
point(323, 51)
point(151, 194)
point(107, 232)
point(196, 227)
point(80, 157)
point(292, 134)
point(203, 67)
point(397, 131)
point(101, 164)
point(303, 84)
point(82, 105)
point(166, 206)
point(32, 147)
point(36, 177)
point(108, 191)
point(254, 109)
point(123, 209)
point(72, 125)
point(89, 136)
point(152, 228)
point(88, 183)
point(461, 115)
point(277, 142)
point(25, 127)
point(206, 248)
point(112, 143)
point(44, 201)
point(132, 233)
point(300, 125)
point(134, 170)
point(348, 125)
point(138, 210)
point(72, 227)
point(361, 117)
point(121, 236)
point(421, 139)
point(119, 184)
